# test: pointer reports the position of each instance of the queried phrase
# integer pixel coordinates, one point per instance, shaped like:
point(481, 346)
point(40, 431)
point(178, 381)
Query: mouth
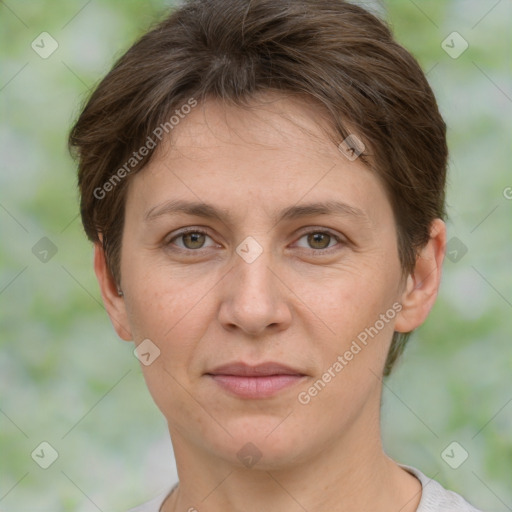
point(255, 382)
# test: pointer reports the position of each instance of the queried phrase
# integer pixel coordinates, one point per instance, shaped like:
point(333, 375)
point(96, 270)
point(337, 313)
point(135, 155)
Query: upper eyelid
point(319, 229)
point(185, 231)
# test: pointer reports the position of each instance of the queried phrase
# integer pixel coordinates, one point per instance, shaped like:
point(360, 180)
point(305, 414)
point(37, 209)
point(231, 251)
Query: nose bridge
point(253, 271)
point(253, 298)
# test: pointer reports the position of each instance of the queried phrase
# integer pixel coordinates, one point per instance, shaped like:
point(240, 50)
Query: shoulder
point(154, 504)
point(435, 498)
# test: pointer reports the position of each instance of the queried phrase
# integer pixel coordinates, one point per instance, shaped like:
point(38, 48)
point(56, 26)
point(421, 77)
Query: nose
point(254, 297)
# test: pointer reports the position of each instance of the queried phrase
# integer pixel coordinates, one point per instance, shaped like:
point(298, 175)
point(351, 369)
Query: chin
point(262, 444)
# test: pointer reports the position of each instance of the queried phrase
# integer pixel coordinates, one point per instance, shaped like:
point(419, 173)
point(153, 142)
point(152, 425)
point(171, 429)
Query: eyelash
point(315, 252)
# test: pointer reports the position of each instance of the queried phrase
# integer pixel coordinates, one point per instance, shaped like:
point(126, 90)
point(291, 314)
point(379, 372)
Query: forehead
point(268, 121)
point(273, 152)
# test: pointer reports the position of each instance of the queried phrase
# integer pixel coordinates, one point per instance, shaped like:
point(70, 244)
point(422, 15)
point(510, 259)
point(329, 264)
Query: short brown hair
point(336, 53)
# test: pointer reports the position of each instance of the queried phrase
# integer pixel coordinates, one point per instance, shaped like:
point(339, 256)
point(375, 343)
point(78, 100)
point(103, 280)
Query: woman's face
point(261, 276)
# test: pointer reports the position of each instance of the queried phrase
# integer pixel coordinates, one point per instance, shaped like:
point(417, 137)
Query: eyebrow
point(209, 211)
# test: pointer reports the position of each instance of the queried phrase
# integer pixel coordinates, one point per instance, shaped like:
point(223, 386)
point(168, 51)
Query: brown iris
point(317, 240)
point(196, 240)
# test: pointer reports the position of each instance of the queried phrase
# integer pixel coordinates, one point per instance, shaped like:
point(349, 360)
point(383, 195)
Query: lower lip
point(256, 387)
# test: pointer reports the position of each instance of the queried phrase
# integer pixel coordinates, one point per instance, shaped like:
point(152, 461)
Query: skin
point(300, 303)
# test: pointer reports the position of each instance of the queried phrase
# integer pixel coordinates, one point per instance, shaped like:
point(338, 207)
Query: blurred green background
point(66, 378)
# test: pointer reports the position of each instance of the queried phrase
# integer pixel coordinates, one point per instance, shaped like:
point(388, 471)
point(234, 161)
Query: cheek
point(355, 308)
point(352, 358)
point(173, 308)
point(170, 313)
point(158, 296)
point(347, 300)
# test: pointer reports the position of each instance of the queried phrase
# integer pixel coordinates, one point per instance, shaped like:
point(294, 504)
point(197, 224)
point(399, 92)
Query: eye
point(192, 239)
point(320, 240)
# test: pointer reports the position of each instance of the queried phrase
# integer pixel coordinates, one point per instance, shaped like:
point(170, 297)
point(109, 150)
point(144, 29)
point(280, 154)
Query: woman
point(264, 184)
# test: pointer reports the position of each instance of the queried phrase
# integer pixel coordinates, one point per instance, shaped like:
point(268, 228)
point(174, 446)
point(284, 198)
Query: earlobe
point(423, 283)
point(112, 296)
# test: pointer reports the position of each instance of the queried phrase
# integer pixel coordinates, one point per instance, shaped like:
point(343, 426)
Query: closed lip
point(246, 370)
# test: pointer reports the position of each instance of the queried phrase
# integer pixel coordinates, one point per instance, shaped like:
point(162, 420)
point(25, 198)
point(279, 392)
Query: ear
point(423, 283)
point(113, 301)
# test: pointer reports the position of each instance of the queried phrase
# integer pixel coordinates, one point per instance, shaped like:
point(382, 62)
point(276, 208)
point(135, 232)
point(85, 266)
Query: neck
point(348, 473)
